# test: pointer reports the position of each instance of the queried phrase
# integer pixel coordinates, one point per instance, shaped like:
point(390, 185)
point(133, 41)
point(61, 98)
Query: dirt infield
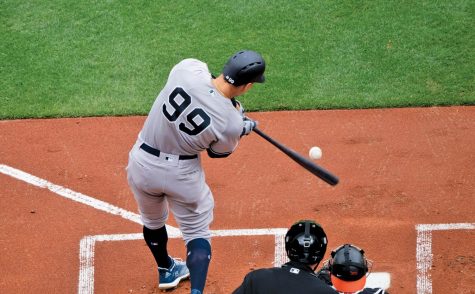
point(398, 168)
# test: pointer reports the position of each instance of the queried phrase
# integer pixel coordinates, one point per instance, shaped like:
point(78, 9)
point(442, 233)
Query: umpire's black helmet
point(244, 67)
point(306, 242)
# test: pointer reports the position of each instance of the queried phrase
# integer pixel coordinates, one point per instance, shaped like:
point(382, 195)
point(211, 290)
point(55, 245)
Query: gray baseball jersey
point(188, 116)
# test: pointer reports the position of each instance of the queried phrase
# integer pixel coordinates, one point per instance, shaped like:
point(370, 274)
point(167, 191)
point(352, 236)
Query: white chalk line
point(87, 244)
point(87, 248)
point(445, 227)
point(69, 194)
point(424, 254)
point(86, 271)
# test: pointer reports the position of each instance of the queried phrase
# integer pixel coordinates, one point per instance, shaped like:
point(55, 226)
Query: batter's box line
point(86, 275)
point(88, 243)
point(424, 251)
point(87, 249)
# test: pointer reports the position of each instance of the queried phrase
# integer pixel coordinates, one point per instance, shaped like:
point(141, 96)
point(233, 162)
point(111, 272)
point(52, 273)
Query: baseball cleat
point(170, 277)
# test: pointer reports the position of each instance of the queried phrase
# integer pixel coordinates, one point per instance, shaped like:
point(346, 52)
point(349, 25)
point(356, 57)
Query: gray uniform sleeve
point(226, 142)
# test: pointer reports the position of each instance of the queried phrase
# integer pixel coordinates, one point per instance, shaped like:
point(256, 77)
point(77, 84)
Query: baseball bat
point(304, 162)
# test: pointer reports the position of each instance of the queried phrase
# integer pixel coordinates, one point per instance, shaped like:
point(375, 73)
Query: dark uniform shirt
point(291, 278)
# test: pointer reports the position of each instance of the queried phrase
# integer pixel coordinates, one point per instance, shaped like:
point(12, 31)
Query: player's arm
point(214, 154)
point(248, 124)
point(225, 143)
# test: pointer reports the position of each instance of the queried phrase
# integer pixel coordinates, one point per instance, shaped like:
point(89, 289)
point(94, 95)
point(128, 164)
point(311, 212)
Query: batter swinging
point(192, 113)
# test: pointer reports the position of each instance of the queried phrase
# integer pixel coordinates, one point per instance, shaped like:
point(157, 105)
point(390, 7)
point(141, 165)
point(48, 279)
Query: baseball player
point(346, 271)
point(193, 112)
point(305, 244)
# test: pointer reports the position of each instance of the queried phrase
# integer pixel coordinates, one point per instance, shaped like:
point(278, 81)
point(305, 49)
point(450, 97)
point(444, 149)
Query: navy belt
point(156, 152)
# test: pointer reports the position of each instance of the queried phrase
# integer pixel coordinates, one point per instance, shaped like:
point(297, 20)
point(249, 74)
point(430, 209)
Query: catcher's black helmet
point(348, 267)
point(306, 242)
point(244, 67)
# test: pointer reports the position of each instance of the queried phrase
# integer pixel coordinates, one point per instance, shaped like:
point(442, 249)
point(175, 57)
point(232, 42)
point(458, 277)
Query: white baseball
point(315, 152)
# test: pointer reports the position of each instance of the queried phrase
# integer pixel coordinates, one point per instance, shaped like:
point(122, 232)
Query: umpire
point(305, 244)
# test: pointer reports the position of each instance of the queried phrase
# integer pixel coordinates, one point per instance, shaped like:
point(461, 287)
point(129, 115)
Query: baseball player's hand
point(249, 125)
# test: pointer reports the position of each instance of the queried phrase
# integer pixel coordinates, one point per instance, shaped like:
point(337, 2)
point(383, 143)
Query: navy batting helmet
point(244, 67)
point(306, 242)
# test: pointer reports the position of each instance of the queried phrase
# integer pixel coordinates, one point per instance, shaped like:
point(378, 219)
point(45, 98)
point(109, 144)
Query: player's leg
point(154, 214)
point(198, 259)
point(191, 202)
point(153, 207)
point(146, 174)
point(195, 229)
point(157, 243)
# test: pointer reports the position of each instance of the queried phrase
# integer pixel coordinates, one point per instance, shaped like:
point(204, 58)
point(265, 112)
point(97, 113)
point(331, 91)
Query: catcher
point(346, 271)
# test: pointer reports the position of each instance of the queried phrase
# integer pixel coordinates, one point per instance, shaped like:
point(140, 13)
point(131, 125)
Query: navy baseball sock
point(199, 256)
point(157, 242)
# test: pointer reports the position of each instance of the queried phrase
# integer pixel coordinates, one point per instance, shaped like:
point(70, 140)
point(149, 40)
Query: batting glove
point(249, 125)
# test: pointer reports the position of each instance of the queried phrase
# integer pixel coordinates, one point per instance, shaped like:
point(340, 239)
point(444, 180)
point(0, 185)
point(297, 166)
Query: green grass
point(93, 58)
